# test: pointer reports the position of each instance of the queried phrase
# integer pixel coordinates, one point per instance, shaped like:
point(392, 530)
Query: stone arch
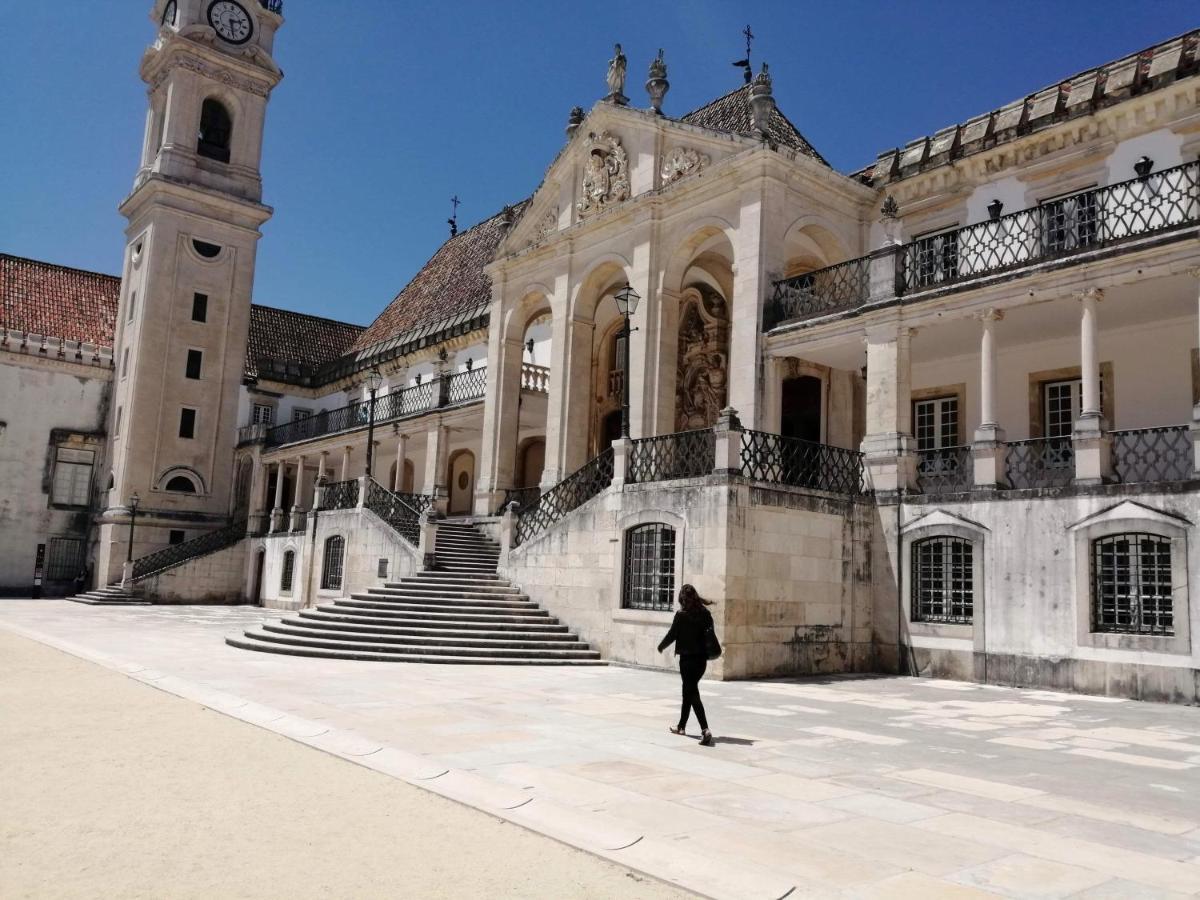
point(605, 274)
point(811, 243)
point(531, 459)
point(699, 234)
point(185, 472)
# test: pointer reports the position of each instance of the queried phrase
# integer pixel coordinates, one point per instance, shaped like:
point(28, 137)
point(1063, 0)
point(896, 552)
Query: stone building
point(938, 415)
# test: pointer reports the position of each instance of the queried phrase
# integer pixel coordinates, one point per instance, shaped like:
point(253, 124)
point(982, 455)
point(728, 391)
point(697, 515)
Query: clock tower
point(193, 227)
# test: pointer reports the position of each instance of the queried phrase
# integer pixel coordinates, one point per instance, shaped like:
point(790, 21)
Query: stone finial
point(890, 208)
point(574, 120)
point(656, 83)
point(762, 101)
point(616, 77)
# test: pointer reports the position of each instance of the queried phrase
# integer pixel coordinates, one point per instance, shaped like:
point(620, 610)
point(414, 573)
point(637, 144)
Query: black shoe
point(707, 739)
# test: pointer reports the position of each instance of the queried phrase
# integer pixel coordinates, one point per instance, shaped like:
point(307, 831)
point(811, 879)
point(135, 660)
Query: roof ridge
point(53, 265)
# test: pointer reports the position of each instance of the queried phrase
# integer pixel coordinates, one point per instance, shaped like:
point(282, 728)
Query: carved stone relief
point(605, 174)
point(702, 382)
point(547, 224)
point(680, 162)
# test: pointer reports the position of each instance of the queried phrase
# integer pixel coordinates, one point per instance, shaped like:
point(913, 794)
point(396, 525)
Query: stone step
point(448, 605)
point(418, 650)
point(456, 617)
point(436, 590)
point(401, 623)
point(248, 642)
point(431, 637)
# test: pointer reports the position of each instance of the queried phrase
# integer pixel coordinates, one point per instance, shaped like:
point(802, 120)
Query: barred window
point(943, 580)
point(649, 581)
point(936, 258)
point(1070, 223)
point(64, 559)
point(289, 566)
point(331, 569)
point(1131, 584)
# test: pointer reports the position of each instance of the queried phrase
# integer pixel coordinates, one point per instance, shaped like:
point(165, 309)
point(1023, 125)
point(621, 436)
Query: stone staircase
point(459, 612)
point(112, 595)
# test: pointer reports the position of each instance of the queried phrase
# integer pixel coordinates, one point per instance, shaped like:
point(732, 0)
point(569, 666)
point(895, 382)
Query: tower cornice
point(255, 73)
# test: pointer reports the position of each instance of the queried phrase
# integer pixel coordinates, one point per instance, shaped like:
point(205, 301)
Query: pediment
point(1131, 511)
point(940, 518)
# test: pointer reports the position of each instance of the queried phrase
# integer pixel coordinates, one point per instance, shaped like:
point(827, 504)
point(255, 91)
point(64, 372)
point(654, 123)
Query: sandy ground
point(111, 788)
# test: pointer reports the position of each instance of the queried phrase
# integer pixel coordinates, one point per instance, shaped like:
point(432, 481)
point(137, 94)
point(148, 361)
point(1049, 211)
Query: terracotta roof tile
point(450, 284)
point(57, 302)
point(285, 344)
point(731, 113)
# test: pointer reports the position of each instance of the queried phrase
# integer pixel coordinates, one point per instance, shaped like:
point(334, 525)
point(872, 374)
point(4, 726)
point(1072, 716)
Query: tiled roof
point(285, 344)
point(731, 113)
point(451, 284)
point(57, 302)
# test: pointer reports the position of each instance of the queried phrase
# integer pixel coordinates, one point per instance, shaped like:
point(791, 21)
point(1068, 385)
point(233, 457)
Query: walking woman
point(690, 635)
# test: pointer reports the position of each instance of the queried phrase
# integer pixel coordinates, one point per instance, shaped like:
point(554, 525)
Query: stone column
point(401, 456)
point(501, 417)
point(277, 509)
point(319, 481)
point(1195, 426)
point(346, 463)
point(437, 448)
point(988, 449)
point(771, 414)
point(297, 496)
point(570, 411)
point(257, 515)
point(558, 385)
point(1092, 443)
point(643, 341)
point(750, 284)
point(888, 446)
point(661, 417)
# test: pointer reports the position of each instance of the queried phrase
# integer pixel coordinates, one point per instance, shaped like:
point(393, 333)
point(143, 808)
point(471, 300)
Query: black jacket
point(687, 633)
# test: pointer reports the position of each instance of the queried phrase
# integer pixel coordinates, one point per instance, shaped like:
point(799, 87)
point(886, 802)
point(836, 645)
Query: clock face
point(168, 16)
point(231, 21)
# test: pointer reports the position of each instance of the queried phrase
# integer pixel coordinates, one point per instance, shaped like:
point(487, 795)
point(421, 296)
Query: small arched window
point(943, 580)
point(289, 566)
point(216, 130)
point(181, 484)
point(649, 581)
point(331, 568)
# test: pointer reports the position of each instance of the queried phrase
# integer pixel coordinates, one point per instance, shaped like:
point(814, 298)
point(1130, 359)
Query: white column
point(436, 449)
point(346, 463)
point(1092, 444)
point(280, 468)
point(987, 369)
point(297, 488)
point(643, 342)
point(321, 457)
point(1089, 362)
point(401, 456)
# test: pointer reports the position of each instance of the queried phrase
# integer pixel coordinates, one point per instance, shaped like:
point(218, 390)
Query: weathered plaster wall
point(215, 578)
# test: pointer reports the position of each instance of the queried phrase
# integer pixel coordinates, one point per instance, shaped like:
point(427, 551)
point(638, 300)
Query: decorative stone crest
point(701, 390)
point(605, 174)
point(681, 161)
point(656, 83)
point(547, 224)
point(616, 77)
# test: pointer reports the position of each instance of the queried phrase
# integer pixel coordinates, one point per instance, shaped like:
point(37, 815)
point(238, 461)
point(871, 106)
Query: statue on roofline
point(616, 77)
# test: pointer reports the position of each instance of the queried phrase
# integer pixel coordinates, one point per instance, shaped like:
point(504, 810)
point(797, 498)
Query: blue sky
point(390, 108)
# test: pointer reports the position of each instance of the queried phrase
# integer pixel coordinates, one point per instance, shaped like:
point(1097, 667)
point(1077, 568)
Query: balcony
point(1068, 227)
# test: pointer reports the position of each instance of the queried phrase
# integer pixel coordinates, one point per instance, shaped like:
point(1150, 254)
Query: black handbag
point(712, 646)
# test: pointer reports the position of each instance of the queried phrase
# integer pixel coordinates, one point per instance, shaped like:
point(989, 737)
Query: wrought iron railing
point(1084, 221)
point(178, 554)
point(535, 378)
point(1040, 463)
point(844, 286)
point(945, 470)
point(249, 434)
point(275, 6)
point(1153, 454)
point(392, 509)
point(419, 502)
point(340, 495)
point(685, 454)
point(409, 401)
point(464, 386)
point(570, 493)
point(523, 497)
point(783, 460)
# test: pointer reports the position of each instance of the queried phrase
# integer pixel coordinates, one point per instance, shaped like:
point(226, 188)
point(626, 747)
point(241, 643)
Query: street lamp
point(374, 380)
point(627, 303)
point(133, 505)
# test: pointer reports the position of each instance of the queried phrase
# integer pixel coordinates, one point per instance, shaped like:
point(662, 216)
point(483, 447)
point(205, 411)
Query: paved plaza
point(841, 787)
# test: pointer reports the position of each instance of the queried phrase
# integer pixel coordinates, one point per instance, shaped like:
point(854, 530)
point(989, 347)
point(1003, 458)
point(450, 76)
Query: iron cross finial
point(453, 220)
point(745, 63)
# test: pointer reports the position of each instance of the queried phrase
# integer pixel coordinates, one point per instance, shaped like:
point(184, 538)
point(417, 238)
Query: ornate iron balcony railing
point(464, 386)
point(1067, 226)
point(523, 497)
point(1040, 463)
point(844, 286)
point(392, 509)
point(250, 434)
point(776, 459)
point(1153, 454)
point(340, 495)
point(535, 378)
point(419, 502)
point(178, 554)
point(570, 493)
point(685, 454)
point(946, 470)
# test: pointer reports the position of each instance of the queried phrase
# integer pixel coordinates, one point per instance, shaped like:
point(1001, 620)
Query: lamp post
point(627, 303)
point(133, 505)
point(374, 380)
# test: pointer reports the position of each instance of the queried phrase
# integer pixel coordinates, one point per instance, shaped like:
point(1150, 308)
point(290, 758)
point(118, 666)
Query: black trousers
point(691, 668)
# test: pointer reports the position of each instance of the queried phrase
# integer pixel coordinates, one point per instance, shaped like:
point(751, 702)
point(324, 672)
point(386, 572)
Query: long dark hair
point(690, 600)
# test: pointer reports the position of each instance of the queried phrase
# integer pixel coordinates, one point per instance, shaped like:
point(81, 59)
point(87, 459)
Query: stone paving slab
point(838, 787)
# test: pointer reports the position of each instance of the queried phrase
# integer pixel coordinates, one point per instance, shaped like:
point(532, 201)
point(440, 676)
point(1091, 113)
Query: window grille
point(289, 566)
point(72, 477)
point(936, 259)
point(263, 414)
point(943, 580)
point(1131, 584)
point(331, 569)
point(1069, 223)
point(64, 559)
point(649, 581)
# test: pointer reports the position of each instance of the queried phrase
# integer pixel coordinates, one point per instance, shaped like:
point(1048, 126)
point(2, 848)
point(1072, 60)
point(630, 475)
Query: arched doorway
point(462, 482)
point(800, 416)
point(260, 559)
point(530, 462)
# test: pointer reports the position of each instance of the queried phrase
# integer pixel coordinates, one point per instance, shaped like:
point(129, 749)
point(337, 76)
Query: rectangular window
point(289, 567)
point(936, 258)
point(117, 424)
point(649, 581)
point(1061, 403)
point(176, 536)
point(64, 559)
point(187, 423)
point(199, 307)
point(125, 362)
point(382, 571)
point(132, 304)
point(1131, 584)
point(936, 423)
point(331, 569)
point(943, 581)
point(1069, 222)
point(72, 476)
point(300, 413)
point(262, 414)
point(194, 360)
